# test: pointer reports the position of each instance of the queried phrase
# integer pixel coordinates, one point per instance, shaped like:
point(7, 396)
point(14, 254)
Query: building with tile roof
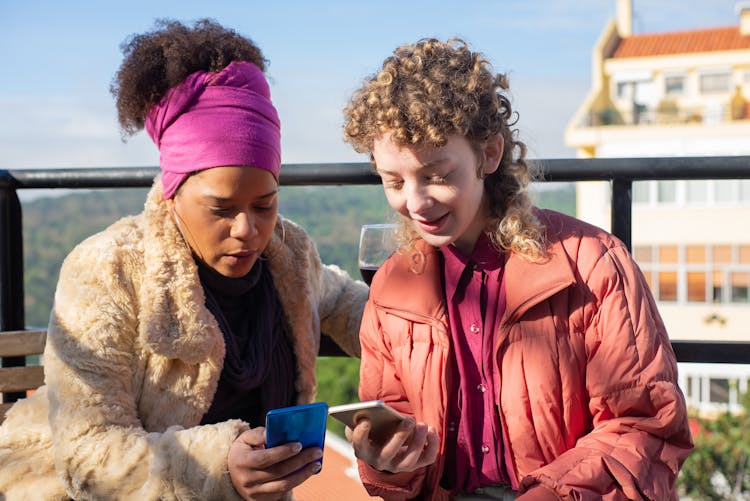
point(682, 93)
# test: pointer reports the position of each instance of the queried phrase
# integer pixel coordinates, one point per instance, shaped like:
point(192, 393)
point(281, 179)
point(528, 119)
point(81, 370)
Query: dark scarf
point(259, 366)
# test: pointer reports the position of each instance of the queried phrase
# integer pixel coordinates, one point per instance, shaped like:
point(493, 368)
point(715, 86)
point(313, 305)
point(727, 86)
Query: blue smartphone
point(301, 423)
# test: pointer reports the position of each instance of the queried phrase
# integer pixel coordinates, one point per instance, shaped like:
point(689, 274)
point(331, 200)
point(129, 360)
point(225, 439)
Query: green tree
point(719, 466)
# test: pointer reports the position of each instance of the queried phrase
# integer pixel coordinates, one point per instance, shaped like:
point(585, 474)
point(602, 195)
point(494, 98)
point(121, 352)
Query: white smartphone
point(384, 419)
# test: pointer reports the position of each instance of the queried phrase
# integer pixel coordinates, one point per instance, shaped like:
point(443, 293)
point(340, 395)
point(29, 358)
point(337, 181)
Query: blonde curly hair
point(431, 90)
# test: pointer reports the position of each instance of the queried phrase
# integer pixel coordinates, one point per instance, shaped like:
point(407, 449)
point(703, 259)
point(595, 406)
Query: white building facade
point(671, 95)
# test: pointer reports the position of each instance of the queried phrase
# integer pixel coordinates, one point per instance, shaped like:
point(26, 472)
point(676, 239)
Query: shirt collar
point(485, 256)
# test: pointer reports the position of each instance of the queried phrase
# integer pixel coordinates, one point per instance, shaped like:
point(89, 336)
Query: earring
point(265, 256)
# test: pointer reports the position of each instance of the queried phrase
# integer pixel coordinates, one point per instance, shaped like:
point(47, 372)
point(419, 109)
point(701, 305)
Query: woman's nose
point(418, 200)
point(243, 226)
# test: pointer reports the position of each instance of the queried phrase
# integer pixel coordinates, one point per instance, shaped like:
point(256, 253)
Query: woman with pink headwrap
point(174, 332)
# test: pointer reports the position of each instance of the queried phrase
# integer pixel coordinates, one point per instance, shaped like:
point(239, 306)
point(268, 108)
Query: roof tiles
point(682, 42)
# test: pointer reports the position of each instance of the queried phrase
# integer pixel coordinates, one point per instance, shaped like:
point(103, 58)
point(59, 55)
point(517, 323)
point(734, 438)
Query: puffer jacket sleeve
point(379, 380)
point(640, 433)
point(93, 372)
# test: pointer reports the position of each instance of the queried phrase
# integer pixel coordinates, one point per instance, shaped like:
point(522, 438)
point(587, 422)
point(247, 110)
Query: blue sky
point(58, 59)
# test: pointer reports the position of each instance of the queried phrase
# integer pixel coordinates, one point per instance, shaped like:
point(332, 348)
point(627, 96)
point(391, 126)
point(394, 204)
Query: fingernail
point(317, 467)
point(296, 447)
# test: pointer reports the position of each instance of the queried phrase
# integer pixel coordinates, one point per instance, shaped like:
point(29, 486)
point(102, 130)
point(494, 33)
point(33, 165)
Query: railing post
point(12, 315)
point(622, 210)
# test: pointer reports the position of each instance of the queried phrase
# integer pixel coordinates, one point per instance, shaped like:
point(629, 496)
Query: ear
point(493, 152)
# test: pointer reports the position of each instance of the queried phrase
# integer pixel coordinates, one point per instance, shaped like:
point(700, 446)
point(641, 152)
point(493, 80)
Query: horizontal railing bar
point(708, 352)
point(555, 170)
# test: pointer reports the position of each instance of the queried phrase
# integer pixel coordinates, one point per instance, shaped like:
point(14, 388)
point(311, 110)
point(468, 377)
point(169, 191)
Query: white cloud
point(67, 132)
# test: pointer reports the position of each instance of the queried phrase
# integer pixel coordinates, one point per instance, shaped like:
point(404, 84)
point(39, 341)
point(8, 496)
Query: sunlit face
point(440, 190)
point(227, 215)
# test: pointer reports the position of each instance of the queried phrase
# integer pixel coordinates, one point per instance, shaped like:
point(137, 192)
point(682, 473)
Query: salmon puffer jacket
point(588, 397)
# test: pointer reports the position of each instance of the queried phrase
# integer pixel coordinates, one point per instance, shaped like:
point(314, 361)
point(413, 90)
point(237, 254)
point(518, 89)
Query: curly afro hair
point(160, 59)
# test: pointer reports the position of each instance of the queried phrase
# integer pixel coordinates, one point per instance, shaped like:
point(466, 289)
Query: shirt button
point(482, 388)
point(485, 449)
point(474, 328)
point(478, 491)
point(452, 426)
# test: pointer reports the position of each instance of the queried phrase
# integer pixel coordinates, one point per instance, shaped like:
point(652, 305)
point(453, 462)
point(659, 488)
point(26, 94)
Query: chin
point(438, 240)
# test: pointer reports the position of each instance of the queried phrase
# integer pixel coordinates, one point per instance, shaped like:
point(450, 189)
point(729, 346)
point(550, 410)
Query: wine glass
point(376, 243)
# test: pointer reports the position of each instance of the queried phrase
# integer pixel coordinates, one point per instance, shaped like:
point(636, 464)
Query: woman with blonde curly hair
point(523, 345)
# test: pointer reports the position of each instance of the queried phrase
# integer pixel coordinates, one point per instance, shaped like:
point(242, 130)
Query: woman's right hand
point(412, 446)
point(258, 473)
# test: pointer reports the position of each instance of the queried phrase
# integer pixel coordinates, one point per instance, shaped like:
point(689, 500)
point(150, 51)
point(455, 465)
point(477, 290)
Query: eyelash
point(396, 185)
point(230, 212)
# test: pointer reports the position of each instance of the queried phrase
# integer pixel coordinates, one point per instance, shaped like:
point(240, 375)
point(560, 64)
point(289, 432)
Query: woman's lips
point(432, 225)
point(241, 257)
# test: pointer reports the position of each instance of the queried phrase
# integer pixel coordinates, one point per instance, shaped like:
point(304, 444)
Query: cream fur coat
point(132, 362)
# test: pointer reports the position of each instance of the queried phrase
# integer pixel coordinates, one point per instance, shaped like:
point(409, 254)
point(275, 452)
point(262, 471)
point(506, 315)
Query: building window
point(641, 192)
point(697, 191)
point(624, 90)
point(696, 286)
point(744, 190)
point(724, 190)
point(718, 392)
point(717, 285)
point(715, 83)
point(744, 254)
point(667, 191)
point(674, 85)
point(740, 287)
point(696, 273)
point(668, 286)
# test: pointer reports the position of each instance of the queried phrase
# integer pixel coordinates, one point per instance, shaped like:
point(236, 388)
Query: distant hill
point(332, 215)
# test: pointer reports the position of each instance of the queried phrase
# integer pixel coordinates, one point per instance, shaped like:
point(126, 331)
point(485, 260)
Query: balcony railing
point(620, 172)
point(667, 114)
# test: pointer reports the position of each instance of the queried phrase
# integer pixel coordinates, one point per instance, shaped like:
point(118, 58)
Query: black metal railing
point(620, 172)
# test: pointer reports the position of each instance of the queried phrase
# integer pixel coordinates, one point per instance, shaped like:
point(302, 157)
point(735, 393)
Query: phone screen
point(301, 423)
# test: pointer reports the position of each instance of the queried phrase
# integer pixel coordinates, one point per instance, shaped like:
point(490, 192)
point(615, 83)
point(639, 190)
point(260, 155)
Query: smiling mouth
point(433, 223)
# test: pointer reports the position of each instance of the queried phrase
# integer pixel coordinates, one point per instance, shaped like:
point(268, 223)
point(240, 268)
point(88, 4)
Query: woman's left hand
point(264, 474)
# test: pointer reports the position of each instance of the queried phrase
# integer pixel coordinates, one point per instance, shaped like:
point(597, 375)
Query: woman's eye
point(393, 185)
point(437, 179)
point(221, 211)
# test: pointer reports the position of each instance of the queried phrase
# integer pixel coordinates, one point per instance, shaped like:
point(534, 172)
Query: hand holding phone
point(392, 443)
point(384, 419)
point(305, 424)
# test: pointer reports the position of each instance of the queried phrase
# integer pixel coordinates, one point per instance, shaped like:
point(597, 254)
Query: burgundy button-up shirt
point(475, 294)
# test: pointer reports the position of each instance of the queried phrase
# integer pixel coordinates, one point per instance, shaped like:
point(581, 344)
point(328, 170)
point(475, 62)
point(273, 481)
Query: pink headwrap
point(213, 120)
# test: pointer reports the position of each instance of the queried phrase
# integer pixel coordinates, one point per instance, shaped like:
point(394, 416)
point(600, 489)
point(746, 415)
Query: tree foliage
point(719, 466)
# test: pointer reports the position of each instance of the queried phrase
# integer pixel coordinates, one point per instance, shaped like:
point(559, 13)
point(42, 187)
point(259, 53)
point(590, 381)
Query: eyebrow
point(220, 200)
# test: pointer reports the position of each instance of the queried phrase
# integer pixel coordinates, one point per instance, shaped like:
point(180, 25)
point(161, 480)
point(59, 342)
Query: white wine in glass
point(376, 243)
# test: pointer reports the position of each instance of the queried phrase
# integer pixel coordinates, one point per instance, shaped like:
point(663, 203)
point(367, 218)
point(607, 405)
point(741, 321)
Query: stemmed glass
point(376, 243)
